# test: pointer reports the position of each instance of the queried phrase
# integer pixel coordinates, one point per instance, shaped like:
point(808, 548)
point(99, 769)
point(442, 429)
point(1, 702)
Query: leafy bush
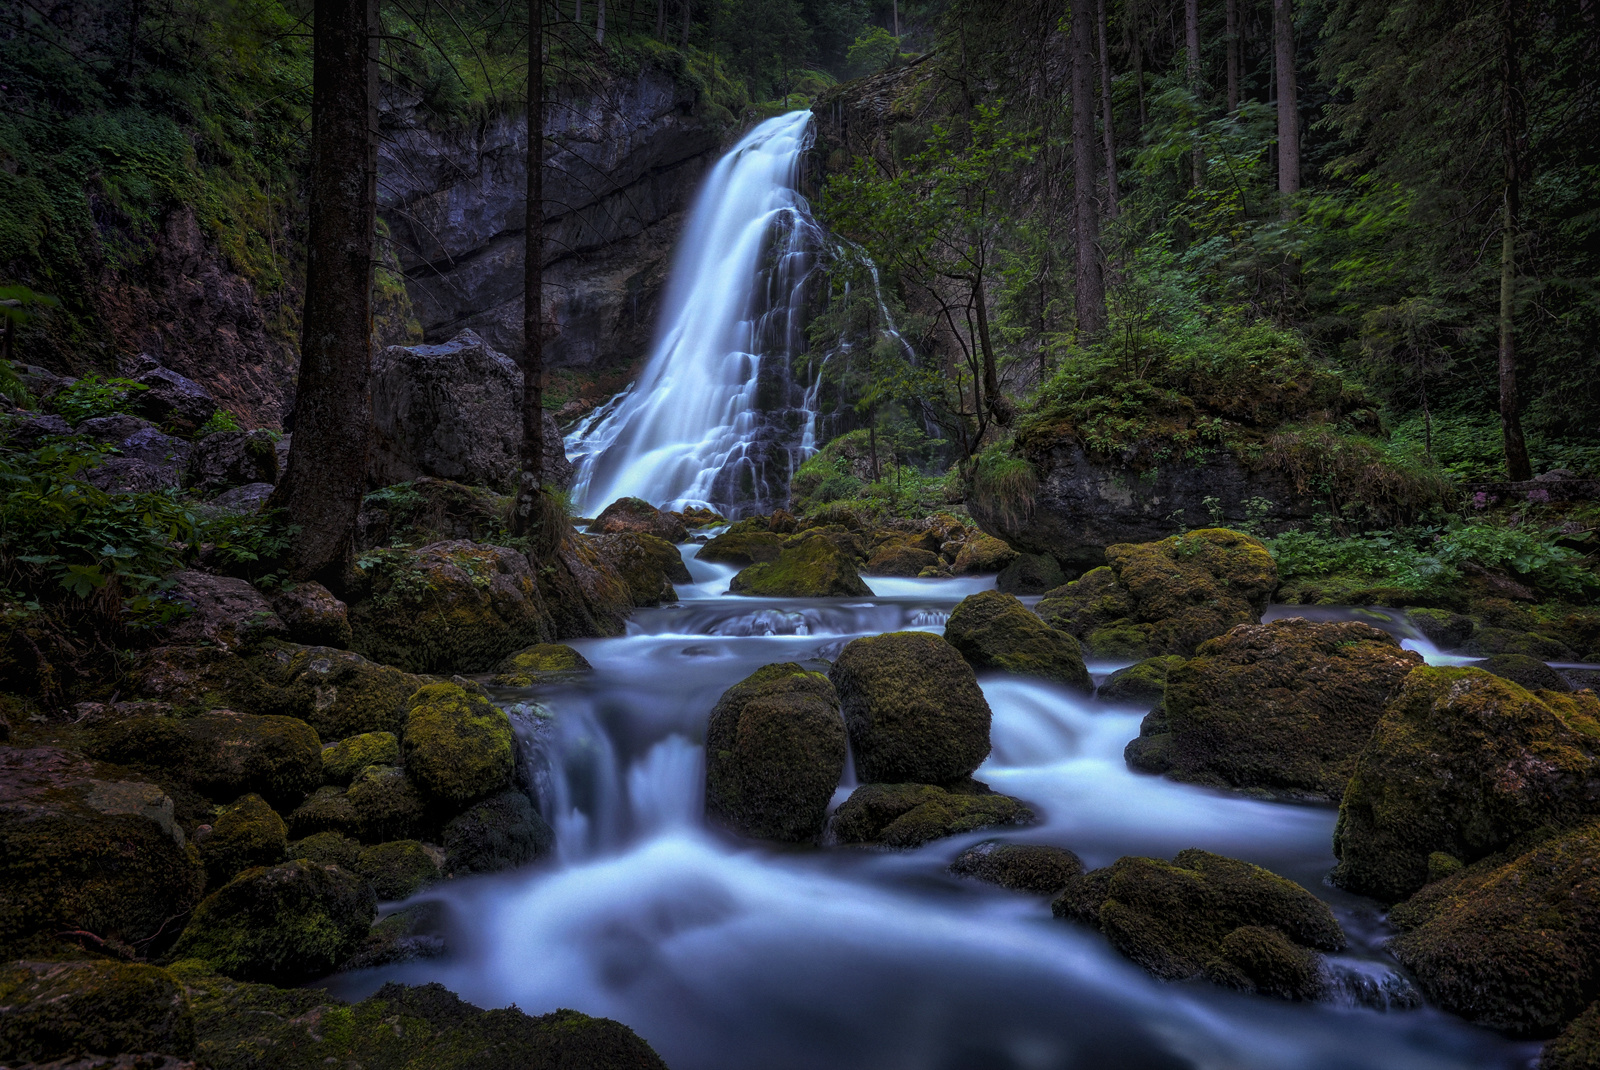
point(92, 397)
point(1003, 485)
point(221, 420)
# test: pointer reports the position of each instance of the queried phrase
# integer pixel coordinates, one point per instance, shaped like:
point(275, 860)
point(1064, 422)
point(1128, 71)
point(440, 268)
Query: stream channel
point(728, 954)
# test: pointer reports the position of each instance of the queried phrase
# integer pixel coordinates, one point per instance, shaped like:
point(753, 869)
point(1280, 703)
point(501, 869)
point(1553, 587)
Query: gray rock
point(152, 447)
point(111, 430)
point(224, 611)
point(128, 475)
point(245, 500)
point(30, 432)
point(314, 616)
point(172, 400)
point(232, 459)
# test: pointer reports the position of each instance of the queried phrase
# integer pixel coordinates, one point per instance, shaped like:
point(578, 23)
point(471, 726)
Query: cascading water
point(716, 419)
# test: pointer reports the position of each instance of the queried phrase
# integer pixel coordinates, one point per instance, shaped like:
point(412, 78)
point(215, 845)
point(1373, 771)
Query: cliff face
point(622, 169)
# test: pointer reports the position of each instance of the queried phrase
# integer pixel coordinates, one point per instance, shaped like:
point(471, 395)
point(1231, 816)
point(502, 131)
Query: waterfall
point(715, 418)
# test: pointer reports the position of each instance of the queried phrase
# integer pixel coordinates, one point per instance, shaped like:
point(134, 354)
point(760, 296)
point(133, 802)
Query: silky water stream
point(730, 955)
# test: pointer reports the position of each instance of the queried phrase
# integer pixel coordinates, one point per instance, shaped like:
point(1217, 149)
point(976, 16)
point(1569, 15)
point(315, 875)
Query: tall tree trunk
point(1136, 46)
point(897, 19)
point(600, 22)
point(991, 376)
point(1090, 286)
point(1288, 103)
point(528, 513)
point(1233, 55)
point(688, 21)
point(1108, 132)
point(661, 20)
point(327, 473)
point(1516, 449)
point(1191, 36)
point(577, 12)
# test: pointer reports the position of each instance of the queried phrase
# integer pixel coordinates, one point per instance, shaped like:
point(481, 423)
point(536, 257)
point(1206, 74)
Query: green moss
point(398, 868)
point(1264, 962)
point(805, 568)
point(982, 553)
point(1093, 600)
point(995, 631)
point(338, 692)
point(1021, 867)
point(501, 832)
point(60, 1010)
point(900, 559)
point(343, 761)
point(1531, 673)
point(1578, 1046)
point(245, 834)
point(775, 750)
point(735, 547)
point(382, 803)
point(647, 565)
point(458, 747)
point(229, 754)
point(326, 849)
point(910, 815)
point(540, 663)
point(1141, 684)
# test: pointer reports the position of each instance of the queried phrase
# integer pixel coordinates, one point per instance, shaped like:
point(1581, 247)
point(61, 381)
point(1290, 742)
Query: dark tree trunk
point(661, 20)
point(1288, 103)
point(600, 22)
point(1233, 55)
point(688, 21)
point(528, 513)
point(991, 377)
point(1191, 36)
point(1091, 291)
point(1136, 47)
point(1108, 130)
point(1516, 448)
point(327, 470)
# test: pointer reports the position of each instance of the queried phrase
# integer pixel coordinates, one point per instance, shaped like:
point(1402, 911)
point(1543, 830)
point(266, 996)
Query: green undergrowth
point(880, 477)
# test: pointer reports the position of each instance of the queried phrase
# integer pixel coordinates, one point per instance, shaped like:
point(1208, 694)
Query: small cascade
point(716, 419)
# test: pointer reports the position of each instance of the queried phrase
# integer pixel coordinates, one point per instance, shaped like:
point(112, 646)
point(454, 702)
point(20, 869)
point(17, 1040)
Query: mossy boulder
point(1175, 920)
point(458, 746)
point(284, 924)
point(337, 692)
point(223, 611)
point(313, 615)
point(326, 849)
point(808, 568)
point(1462, 762)
point(775, 750)
point(742, 547)
point(647, 564)
point(995, 631)
point(1531, 673)
point(454, 606)
point(230, 754)
point(345, 760)
point(245, 834)
point(65, 1010)
point(982, 553)
point(637, 516)
point(1446, 630)
point(910, 815)
point(899, 559)
point(501, 832)
point(1030, 574)
point(382, 803)
point(1283, 707)
point(86, 848)
point(541, 663)
point(1021, 867)
point(1578, 1046)
point(1140, 684)
point(912, 707)
point(584, 594)
point(1512, 942)
point(398, 868)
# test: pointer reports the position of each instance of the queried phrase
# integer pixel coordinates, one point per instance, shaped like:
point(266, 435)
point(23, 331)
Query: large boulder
point(230, 459)
point(637, 515)
point(230, 754)
point(981, 553)
point(775, 750)
point(1030, 574)
point(648, 564)
point(347, 759)
point(910, 815)
point(453, 411)
point(338, 692)
point(1285, 707)
point(1201, 915)
point(1140, 684)
point(742, 548)
point(912, 708)
point(541, 663)
point(313, 615)
point(244, 834)
point(1021, 867)
point(283, 925)
point(382, 803)
point(995, 631)
point(501, 832)
point(171, 400)
point(1462, 763)
point(227, 612)
point(899, 559)
point(1512, 942)
point(804, 568)
point(66, 1010)
point(1578, 1046)
point(458, 746)
point(454, 606)
point(398, 868)
point(1165, 597)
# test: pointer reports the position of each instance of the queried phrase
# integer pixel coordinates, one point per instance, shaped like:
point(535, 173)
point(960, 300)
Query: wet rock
point(1446, 630)
point(637, 515)
point(647, 564)
point(457, 746)
point(282, 925)
point(1021, 867)
point(1513, 942)
point(1140, 684)
point(326, 849)
point(775, 750)
point(230, 459)
point(398, 868)
point(412, 932)
point(312, 615)
point(501, 832)
point(899, 559)
point(1285, 706)
point(453, 606)
point(586, 596)
point(1030, 574)
point(912, 708)
point(982, 553)
point(345, 760)
point(804, 568)
point(1531, 673)
point(63, 1010)
point(1176, 919)
point(1509, 641)
point(910, 815)
point(1578, 1046)
point(337, 692)
point(541, 663)
point(245, 833)
point(227, 612)
point(742, 548)
point(230, 754)
point(1462, 762)
point(995, 631)
point(172, 401)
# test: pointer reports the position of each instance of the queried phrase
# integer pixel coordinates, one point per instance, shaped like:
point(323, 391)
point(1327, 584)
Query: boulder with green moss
point(1531, 673)
point(1443, 628)
point(453, 606)
point(1184, 918)
point(501, 832)
point(1578, 1046)
point(230, 754)
point(910, 815)
point(326, 849)
point(244, 834)
point(284, 924)
point(647, 564)
point(1140, 684)
point(1030, 574)
point(313, 615)
point(1512, 942)
point(539, 664)
point(637, 516)
point(458, 746)
point(899, 558)
point(1462, 762)
point(86, 848)
point(397, 868)
point(1021, 867)
point(337, 692)
point(382, 803)
point(1283, 707)
point(775, 750)
point(805, 568)
point(995, 631)
point(981, 553)
point(912, 708)
point(345, 760)
point(67, 1010)
point(742, 548)
point(584, 594)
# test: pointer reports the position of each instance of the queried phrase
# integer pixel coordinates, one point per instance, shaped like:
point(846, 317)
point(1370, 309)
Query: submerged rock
point(1021, 867)
point(638, 516)
point(62, 1010)
point(995, 631)
point(805, 568)
point(910, 815)
point(540, 663)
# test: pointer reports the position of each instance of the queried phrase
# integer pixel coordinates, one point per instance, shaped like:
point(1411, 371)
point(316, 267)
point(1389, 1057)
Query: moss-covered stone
point(541, 663)
point(343, 761)
point(62, 1010)
point(337, 692)
point(412, 932)
point(1578, 1046)
point(231, 754)
point(899, 559)
point(1264, 962)
point(1531, 673)
point(246, 833)
point(637, 516)
point(1509, 641)
point(647, 564)
point(910, 815)
point(1021, 867)
point(382, 803)
point(810, 568)
point(995, 631)
point(313, 615)
point(1462, 762)
point(326, 849)
point(1172, 918)
point(398, 868)
point(458, 746)
point(775, 750)
point(283, 924)
point(1141, 684)
point(1093, 600)
point(1030, 574)
point(982, 553)
point(1443, 628)
point(1512, 942)
point(912, 708)
point(742, 547)
point(501, 832)
point(1285, 706)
